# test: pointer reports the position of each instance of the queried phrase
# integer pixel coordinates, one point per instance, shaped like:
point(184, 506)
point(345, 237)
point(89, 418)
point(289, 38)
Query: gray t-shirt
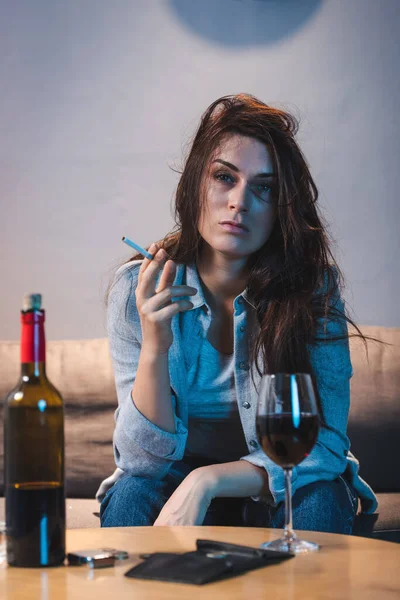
point(215, 430)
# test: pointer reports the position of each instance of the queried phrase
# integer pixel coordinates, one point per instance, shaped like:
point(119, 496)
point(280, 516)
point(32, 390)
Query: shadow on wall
point(238, 23)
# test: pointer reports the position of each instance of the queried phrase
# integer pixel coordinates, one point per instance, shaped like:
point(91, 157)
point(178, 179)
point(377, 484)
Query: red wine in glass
point(286, 442)
point(287, 426)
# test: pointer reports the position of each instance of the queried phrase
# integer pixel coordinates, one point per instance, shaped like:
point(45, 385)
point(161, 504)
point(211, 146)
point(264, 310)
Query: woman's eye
point(263, 187)
point(224, 177)
point(263, 190)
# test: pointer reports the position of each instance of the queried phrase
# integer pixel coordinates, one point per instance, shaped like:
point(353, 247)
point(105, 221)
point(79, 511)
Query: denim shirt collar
point(198, 300)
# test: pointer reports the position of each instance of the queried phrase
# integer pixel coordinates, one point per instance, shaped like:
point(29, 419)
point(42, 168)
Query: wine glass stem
point(289, 533)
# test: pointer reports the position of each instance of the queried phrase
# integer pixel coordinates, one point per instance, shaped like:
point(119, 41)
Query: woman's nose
point(239, 197)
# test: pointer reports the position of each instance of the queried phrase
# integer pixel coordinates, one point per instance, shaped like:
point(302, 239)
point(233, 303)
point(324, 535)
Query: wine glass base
point(295, 545)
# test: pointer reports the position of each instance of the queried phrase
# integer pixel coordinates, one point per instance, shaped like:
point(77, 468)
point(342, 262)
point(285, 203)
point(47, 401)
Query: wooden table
point(345, 567)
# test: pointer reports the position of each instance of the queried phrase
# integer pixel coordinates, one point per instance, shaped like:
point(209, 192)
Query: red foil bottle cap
point(33, 344)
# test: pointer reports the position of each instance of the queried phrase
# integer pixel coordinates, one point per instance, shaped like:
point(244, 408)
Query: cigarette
point(137, 247)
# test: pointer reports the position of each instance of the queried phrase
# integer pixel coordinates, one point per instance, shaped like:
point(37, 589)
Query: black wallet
point(211, 561)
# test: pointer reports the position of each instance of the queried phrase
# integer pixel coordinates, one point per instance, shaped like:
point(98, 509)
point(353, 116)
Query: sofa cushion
point(388, 512)
point(385, 523)
point(79, 514)
point(374, 420)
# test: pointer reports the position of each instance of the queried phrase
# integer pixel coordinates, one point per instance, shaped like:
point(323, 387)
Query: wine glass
point(287, 427)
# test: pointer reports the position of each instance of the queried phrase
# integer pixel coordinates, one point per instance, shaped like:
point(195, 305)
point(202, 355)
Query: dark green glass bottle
point(34, 454)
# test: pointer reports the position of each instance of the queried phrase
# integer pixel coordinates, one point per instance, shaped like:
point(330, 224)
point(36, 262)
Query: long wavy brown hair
point(293, 279)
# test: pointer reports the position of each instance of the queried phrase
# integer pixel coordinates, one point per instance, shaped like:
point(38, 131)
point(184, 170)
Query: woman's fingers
point(166, 312)
point(166, 293)
point(153, 249)
point(167, 275)
point(170, 295)
point(148, 273)
point(157, 309)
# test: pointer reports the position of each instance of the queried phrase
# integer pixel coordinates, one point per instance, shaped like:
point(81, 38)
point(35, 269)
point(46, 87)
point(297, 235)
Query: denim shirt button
point(253, 444)
point(242, 328)
point(246, 404)
point(240, 301)
point(242, 365)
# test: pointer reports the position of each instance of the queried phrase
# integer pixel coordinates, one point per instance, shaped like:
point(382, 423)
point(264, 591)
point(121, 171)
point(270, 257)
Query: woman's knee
point(133, 501)
point(328, 506)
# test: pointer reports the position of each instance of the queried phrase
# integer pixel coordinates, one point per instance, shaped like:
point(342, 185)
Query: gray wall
point(98, 98)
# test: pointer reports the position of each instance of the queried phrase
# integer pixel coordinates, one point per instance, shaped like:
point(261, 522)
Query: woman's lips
point(233, 229)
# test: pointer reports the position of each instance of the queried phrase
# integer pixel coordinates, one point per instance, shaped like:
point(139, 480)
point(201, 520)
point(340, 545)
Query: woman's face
point(239, 186)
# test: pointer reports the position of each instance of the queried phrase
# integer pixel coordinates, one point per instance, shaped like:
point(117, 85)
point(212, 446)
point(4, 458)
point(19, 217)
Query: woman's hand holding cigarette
point(157, 307)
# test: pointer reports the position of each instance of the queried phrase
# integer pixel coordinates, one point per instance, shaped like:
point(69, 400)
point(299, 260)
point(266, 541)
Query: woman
point(246, 284)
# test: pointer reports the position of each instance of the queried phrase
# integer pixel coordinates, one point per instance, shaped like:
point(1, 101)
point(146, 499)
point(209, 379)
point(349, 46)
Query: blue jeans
point(321, 506)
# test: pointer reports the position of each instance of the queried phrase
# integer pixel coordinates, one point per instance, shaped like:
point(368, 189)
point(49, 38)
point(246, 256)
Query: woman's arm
point(141, 446)
point(235, 479)
point(189, 503)
point(151, 390)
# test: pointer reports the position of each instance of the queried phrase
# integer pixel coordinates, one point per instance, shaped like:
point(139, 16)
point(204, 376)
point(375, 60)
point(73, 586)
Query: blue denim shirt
point(143, 449)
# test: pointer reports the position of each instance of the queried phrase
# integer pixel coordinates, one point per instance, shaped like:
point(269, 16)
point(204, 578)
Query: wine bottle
point(34, 454)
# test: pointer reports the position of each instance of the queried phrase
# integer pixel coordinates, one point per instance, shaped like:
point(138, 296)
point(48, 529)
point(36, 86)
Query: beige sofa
point(82, 371)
